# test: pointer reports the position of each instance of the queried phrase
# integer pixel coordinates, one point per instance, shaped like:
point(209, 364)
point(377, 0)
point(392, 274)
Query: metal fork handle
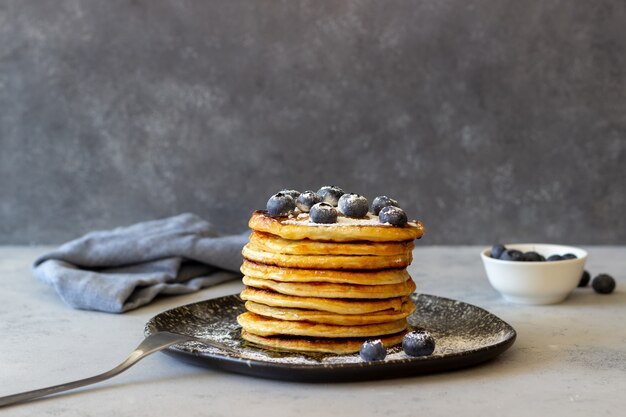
point(153, 343)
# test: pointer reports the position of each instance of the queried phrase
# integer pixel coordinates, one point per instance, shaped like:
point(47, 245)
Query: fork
point(155, 342)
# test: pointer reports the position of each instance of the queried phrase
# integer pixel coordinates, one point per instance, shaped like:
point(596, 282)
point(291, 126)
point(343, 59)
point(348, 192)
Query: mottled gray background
point(488, 119)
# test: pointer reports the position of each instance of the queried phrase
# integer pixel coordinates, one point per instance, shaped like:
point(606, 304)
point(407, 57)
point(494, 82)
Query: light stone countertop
point(569, 359)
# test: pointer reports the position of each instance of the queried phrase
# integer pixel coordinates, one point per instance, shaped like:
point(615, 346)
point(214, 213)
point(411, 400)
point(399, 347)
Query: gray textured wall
point(488, 119)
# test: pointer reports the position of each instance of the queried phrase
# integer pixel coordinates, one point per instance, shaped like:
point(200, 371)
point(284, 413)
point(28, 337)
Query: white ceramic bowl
point(535, 282)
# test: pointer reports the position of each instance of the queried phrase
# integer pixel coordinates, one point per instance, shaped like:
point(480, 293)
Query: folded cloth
point(122, 269)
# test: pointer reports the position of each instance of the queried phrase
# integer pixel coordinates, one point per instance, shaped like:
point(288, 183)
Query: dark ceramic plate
point(465, 335)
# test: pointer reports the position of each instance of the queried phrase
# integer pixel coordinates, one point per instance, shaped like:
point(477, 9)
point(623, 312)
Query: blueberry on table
point(323, 213)
point(584, 279)
point(373, 350)
point(569, 256)
point(280, 205)
point(292, 193)
point(553, 258)
point(418, 343)
point(330, 194)
point(353, 205)
point(603, 284)
point(497, 249)
point(533, 256)
point(393, 215)
point(512, 255)
point(306, 200)
point(381, 202)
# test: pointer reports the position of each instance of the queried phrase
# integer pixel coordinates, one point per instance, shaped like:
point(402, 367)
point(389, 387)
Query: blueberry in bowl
point(521, 276)
point(512, 255)
point(497, 250)
point(533, 256)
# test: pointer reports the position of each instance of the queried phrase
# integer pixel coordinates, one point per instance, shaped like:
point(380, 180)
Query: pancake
point(329, 290)
point(326, 288)
point(263, 326)
point(275, 244)
point(317, 345)
point(367, 262)
point(345, 230)
point(314, 316)
point(276, 273)
point(333, 305)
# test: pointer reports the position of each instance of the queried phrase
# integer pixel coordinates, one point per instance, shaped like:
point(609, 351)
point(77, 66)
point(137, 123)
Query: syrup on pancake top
point(318, 265)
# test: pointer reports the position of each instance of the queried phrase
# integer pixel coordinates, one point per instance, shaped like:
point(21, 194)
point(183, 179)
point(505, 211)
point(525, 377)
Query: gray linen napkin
point(127, 267)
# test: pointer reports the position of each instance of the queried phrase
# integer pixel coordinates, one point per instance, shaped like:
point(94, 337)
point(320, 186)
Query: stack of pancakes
point(326, 287)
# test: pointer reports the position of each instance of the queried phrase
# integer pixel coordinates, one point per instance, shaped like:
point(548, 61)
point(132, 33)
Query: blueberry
point(392, 215)
point(569, 256)
point(292, 193)
point(584, 279)
point(373, 350)
point(512, 255)
point(418, 343)
point(280, 205)
point(353, 205)
point(553, 258)
point(381, 202)
point(533, 257)
point(603, 284)
point(330, 194)
point(496, 250)
point(306, 200)
point(323, 213)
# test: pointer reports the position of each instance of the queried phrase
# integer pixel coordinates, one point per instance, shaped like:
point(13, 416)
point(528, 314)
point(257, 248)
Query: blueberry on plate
point(569, 256)
point(381, 202)
point(496, 250)
point(511, 255)
point(603, 284)
point(323, 213)
point(280, 204)
point(584, 279)
point(418, 343)
point(393, 215)
point(292, 193)
point(330, 194)
point(373, 350)
point(306, 200)
point(533, 256)
point(553, 258)
point(353, 205)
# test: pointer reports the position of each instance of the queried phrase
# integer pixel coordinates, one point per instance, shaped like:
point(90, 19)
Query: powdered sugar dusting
point(370, 219)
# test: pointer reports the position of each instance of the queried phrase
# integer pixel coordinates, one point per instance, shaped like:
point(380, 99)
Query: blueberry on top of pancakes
point(381, 202)
point(330, 194)
point(323, 213)
point(280, 204)
point(353, 205)
point(307, 199)
point(393, 215)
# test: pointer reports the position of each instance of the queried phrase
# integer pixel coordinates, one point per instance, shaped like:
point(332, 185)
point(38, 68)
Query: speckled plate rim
point(332, 372)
